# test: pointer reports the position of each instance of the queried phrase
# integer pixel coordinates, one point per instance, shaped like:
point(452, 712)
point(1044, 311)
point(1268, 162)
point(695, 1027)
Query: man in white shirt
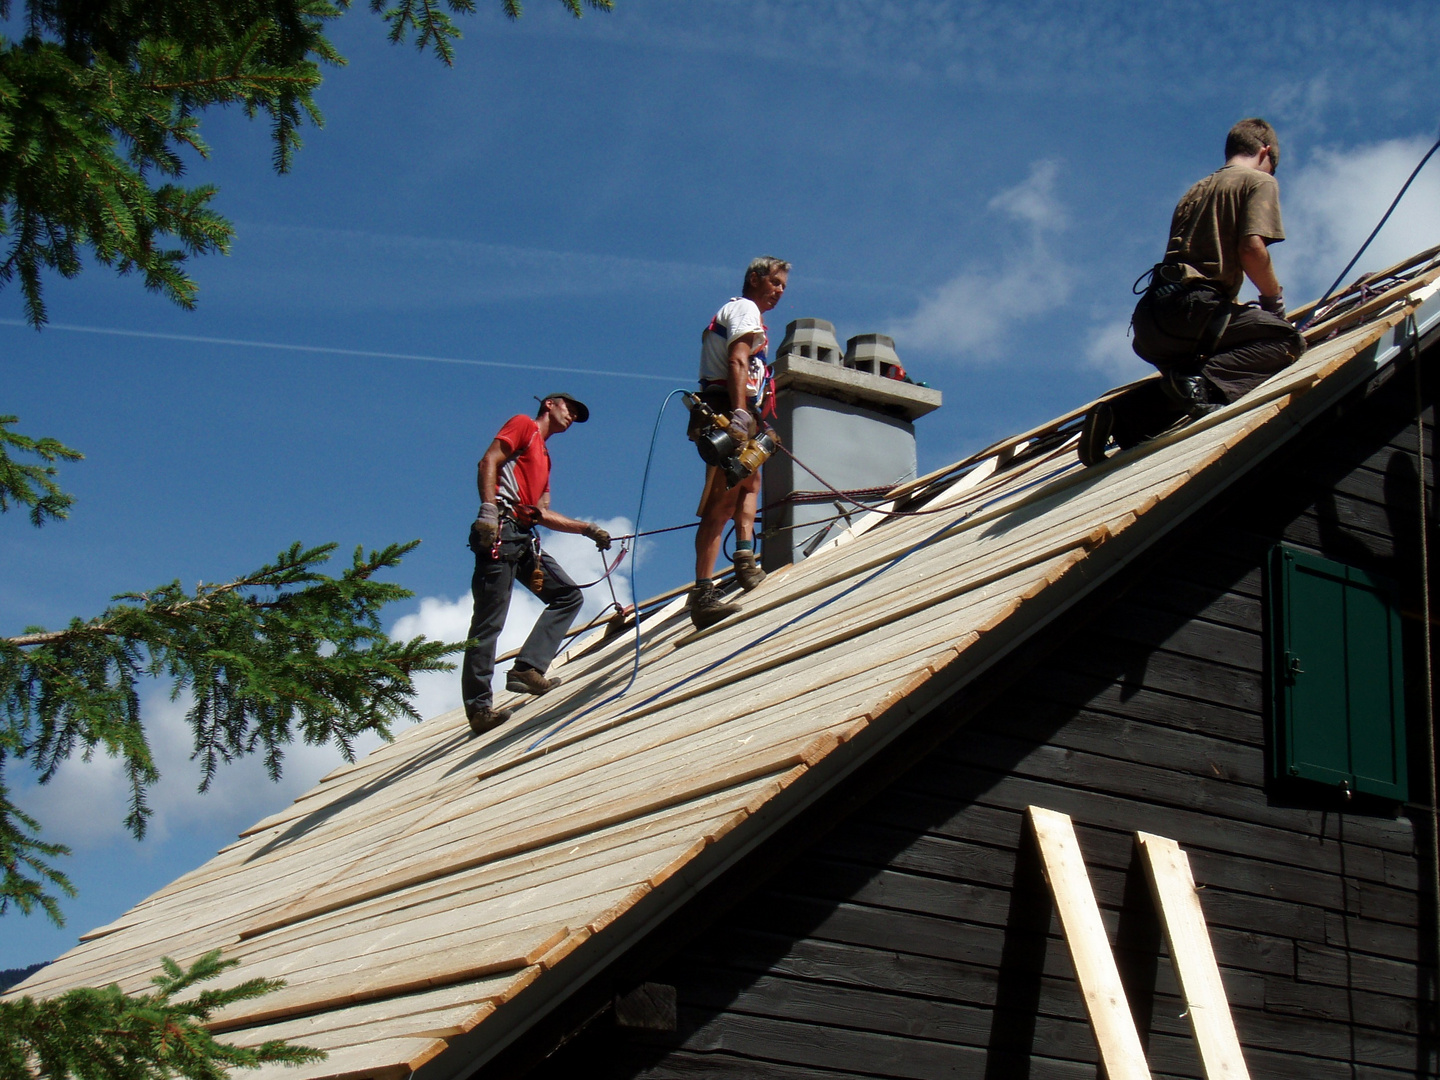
point(734, 380)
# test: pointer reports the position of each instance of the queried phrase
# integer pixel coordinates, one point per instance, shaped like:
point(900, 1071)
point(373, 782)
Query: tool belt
point(1179, 320)
point(716, 396)
point(512, 544)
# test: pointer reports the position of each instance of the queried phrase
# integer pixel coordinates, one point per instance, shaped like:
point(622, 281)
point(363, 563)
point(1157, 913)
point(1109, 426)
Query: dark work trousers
point(490, 588)
point(1254, 346)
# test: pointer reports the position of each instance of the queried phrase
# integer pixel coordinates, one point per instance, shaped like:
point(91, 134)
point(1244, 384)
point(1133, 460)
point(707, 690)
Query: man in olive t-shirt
point(1210, 349)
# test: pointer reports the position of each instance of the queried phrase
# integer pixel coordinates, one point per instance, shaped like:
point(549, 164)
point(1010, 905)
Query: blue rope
point(634, 592)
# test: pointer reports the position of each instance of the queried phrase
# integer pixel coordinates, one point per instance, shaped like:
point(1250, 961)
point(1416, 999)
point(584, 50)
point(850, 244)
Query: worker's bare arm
point(556, 521)
point(560, 523)
point(487, 477)
point(1255, 261)
point(738, 371)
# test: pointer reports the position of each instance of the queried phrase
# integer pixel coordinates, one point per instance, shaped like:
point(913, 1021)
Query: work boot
point(483, 718)
point(529, 681)
point(1189, 392)
point(706, 607)
point(747, 571)
point(1095, 435)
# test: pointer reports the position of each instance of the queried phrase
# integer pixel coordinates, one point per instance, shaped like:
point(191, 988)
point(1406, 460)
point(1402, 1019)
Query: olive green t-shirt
point(1215, 215)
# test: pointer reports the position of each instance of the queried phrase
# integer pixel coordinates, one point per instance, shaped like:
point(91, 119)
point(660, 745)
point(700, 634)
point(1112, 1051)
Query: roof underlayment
point(448, 885)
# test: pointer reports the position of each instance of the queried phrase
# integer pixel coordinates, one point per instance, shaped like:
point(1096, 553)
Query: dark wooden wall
point(916, 939)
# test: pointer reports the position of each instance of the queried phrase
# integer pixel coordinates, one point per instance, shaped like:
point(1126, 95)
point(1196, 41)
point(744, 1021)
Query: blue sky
point(982, 180)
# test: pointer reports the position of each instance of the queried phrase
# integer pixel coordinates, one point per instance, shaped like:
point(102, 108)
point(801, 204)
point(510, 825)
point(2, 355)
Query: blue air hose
point(634, 592)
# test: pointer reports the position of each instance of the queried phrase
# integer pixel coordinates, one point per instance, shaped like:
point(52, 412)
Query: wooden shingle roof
point(448, 890)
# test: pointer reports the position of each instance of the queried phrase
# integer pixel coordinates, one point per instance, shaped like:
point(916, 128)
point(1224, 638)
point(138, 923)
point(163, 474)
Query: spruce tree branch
point(23, 854)
point(33, 485)
point(105, 1034)
point(205, 599)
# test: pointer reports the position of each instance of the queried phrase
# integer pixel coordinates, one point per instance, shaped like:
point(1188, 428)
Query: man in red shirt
point(514, 482)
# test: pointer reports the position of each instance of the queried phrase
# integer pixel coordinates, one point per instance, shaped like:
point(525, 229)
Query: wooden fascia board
point(471, 1052)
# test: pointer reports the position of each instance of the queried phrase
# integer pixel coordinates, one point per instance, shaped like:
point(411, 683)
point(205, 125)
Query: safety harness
point(764, 393)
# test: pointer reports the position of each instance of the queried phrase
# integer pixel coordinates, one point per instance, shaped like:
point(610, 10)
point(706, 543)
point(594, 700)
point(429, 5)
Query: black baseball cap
point(580, 410)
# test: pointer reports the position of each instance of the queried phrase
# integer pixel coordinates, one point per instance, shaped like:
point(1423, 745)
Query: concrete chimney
point(852, 421)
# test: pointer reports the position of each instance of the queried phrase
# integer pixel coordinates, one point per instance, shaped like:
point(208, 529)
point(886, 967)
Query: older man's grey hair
point(763, 267)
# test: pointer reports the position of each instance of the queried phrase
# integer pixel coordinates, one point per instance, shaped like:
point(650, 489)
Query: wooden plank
point(450, 1005)
point(801, 642)
point(614, 844)
point(1367, 309)
point(440, 901)
point(610, 810)
point(561, 881)
point(1095, 969)
point(344, 978)
point(622, 728)
point(393, 1059)
point(434, 1024)
point(1379, 275)
point(1173, 888)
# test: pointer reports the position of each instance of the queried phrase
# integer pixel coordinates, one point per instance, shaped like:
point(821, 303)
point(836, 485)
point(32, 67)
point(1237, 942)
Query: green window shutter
point(1337, 690)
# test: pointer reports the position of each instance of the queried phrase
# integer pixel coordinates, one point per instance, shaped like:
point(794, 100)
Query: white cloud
point(1034, 201)
point(1107, 349)
point(969, 316)
point(1301, 105)
point(85, 803)
point(449, 620)
point(1337, 197)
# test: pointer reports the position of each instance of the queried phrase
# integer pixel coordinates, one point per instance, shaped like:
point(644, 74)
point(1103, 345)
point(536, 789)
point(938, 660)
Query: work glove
point(741, 424)
point(1275, 305)
point(486, 529)
point(599, 535)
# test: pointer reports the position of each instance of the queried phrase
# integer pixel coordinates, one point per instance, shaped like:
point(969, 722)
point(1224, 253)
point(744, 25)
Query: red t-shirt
point(526, 476)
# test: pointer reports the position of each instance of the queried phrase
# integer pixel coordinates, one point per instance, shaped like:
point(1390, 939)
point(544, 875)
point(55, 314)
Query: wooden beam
point(1178, 905)
point(1095, 970)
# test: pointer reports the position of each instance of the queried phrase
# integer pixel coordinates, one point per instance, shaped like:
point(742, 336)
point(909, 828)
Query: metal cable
point(609, 570)
point(872, 507)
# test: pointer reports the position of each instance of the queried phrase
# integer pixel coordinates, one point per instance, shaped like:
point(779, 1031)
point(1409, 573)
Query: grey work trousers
point(490, 588)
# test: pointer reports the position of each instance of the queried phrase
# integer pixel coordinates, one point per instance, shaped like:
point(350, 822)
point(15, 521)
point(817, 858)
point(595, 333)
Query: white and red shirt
point(737, 319)
point(525, 477)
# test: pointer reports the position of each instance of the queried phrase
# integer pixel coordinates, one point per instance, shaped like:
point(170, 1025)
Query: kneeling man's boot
point(706, 607)
point(747, 571)
point(1190, 392)
point(1095, 434)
